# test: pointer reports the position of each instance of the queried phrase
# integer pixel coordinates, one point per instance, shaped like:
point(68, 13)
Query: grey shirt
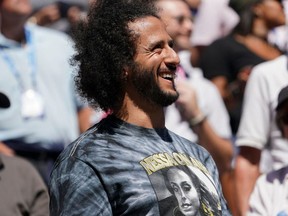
point(22, 190)
point(117, 168)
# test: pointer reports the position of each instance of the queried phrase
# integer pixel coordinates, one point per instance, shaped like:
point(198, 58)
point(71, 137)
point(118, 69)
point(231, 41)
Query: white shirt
point(257, 126)
point(270, 195)
point(214, 19)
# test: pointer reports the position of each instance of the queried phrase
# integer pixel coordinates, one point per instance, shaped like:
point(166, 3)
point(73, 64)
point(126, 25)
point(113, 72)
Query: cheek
point(178, 195)
point(192, 194)
point(275, 11)
point(173, 30)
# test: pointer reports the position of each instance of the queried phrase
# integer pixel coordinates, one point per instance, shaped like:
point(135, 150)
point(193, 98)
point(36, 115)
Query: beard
point(146, 85)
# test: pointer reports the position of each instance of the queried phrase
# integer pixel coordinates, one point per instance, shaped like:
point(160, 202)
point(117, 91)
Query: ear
point(125, 73)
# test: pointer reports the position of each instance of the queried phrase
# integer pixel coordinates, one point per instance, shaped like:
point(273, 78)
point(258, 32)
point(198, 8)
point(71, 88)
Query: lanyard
point(31, 60)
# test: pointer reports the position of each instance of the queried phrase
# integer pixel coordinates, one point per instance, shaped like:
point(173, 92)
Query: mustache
point(168, 68)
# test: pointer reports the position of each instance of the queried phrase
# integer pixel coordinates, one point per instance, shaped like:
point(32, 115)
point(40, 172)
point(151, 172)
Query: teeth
point(168, 76)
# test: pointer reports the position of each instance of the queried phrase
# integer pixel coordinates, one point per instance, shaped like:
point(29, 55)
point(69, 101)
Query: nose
point(188, 25)
point(171, 57)
point(183, 197)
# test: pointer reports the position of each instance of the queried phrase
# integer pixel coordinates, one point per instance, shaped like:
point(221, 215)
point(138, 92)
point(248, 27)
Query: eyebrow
point(160, 44)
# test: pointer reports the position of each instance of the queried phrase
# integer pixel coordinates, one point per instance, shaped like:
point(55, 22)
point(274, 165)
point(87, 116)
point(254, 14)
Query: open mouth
point(168, 76)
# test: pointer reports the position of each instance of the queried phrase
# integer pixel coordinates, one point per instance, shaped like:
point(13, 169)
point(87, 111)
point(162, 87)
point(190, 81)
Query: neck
point(259, 29)
point(141, 113)
point(13, 30)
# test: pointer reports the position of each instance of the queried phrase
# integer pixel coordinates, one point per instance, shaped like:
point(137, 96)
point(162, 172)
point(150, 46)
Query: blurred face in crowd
point(12, 8)
point(16, 6)
point(184, 191)
point(152, 75)
point(178, 19)
point(271, 11)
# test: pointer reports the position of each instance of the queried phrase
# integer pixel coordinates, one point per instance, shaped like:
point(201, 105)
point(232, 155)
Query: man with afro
point(127, 68)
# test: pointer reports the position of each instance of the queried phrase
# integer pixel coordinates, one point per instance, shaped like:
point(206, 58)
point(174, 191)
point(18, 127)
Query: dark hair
point(247, 16)
point(186, 170)
point(104, 46)
point(209, 203)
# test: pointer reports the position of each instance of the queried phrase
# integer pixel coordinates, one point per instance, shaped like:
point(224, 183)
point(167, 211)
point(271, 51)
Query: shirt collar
point(8, 43)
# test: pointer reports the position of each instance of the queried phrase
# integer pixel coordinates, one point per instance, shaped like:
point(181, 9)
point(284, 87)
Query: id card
point(32, 105)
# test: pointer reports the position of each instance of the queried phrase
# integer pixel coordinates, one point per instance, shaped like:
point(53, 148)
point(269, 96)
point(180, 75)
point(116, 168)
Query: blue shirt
point(52, 51)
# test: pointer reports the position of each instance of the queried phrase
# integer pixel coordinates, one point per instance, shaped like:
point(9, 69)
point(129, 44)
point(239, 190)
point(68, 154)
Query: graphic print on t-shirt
point(182, 184)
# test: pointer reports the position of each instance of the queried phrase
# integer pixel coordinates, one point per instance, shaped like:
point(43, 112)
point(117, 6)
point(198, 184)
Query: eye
point(157, 48)
point(186, 187)
point(180, 19)
point(174, 187)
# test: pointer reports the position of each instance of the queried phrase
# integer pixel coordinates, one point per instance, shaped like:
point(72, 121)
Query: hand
point(187, 102)
point(75, 14)
point(4, 149)
point(47, 15)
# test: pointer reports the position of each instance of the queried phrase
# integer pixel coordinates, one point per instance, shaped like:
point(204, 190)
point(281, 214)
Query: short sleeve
point(76, 189)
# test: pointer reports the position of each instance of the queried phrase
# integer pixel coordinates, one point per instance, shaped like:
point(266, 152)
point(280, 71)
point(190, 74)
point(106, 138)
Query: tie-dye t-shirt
point(117, 168)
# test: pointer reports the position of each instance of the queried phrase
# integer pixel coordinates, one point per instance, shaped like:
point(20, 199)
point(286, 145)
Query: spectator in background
point(60, 15)
point(22, 190)
point(214, 19)
point(270, 195)
point(45, 113)
point(199, 114)
point(261, 146)
point(228, 61)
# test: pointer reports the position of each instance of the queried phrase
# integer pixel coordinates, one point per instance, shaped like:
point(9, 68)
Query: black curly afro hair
point(104, 46)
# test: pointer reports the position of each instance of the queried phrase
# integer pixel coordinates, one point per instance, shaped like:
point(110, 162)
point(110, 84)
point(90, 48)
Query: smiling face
point(179, 22)
point(153, 73)
point(184, 191)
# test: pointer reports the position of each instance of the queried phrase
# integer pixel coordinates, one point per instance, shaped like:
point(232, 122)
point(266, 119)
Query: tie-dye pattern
point(101, 172)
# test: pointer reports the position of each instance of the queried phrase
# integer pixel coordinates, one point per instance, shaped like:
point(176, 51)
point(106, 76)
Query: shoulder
point(269, 68)
point(192, 148)
point(44, 34)
point(224, 42)
point(17, 163)
point(269, 74)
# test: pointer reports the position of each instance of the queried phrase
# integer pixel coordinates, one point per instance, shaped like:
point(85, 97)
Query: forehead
point(149, 29)
point(167, 7)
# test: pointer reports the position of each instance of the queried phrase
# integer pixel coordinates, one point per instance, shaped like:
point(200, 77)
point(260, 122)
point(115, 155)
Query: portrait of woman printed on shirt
point(192, 195)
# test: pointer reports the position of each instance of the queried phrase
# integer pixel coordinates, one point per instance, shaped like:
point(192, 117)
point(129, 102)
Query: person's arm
point(46, 15)
point(4, 149)
point(221, 83)
point(36, 190)
point(220, 148)
point(253, 134)
point(75, 189)
point(246, 173)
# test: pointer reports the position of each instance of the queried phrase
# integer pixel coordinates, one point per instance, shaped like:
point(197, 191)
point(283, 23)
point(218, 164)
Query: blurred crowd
point(233, 65)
